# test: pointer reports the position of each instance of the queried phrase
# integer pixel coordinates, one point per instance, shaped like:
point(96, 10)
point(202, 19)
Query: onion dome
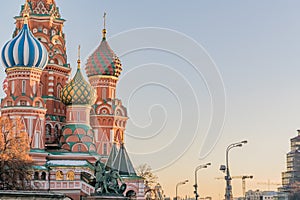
point(24, 50)
point(103, 61)
point(78, 91)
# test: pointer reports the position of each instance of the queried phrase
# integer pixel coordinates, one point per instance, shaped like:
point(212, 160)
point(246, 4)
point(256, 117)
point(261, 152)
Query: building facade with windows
point(291, 177)
point(71, 122)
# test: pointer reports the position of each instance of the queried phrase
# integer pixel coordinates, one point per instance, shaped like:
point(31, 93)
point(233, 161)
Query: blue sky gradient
point(256, 47)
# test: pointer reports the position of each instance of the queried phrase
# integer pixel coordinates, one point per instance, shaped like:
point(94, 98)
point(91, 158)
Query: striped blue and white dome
point(24, 50)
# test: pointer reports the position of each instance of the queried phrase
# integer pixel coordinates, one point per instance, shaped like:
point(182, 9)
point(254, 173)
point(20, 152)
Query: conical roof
point(123, 164)
point(78, 91)
point(112, 156)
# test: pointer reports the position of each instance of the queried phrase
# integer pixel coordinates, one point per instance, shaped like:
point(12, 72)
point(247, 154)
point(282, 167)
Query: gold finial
point(78, 61)
point(104, 26)
point(25, 19)
point(26, 11)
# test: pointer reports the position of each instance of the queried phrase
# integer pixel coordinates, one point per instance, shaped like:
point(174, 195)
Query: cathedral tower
point(108, 116)
point(46, 24)
point(24, 57)
point(78, 96)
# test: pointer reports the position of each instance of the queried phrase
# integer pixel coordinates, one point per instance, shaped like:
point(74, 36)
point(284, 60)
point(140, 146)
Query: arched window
point(70, 176)
point(59, 175)
point(43, 176)
point(58, 91)
point(48, 130)
point(56, 131)
point(36, 176)
point(37, 104)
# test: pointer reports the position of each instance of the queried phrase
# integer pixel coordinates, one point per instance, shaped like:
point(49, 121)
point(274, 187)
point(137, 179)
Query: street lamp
point(228, 191)
point(180, 183)
point(196, 185)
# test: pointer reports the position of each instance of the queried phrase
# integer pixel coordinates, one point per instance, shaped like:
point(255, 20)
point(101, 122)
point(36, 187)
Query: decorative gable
point(41, 8)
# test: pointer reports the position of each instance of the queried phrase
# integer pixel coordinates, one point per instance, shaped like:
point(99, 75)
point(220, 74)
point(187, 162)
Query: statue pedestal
point(105, 197)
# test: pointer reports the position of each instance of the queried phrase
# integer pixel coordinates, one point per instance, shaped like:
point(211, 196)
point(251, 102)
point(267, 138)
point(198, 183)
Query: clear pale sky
point(255, 46)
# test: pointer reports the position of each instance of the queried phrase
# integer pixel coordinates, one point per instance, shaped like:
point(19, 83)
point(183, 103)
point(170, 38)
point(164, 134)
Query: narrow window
point(112, 93)
point(56, 129)
point(34, 88)
point(13, 86)
point(103, 93)
point(43, 176)
point(41, 90)
point(78, 116)
point(58, 91)
point(36, 175)
point(48, 130)
point(23, 86)
point(105, 149)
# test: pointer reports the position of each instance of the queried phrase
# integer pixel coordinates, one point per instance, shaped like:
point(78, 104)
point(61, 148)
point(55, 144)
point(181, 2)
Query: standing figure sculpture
point(107, 181)
point(101, 186)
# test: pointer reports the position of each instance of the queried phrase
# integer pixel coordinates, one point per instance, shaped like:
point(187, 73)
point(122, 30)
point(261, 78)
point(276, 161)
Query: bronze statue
point(101, 185)
point(107, 181)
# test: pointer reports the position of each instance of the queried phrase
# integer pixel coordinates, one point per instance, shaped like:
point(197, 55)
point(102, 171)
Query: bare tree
point(153, 190)
point(145, 172)
point(15, 162)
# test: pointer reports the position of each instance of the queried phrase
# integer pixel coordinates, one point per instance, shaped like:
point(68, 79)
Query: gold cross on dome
point(104, 20)
point(78, 61)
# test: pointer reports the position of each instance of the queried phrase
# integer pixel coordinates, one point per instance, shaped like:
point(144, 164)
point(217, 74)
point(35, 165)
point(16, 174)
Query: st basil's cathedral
point(71, 122)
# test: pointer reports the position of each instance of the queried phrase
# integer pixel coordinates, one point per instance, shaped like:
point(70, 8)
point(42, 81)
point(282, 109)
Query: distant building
point(265, 195)
point(291, 177)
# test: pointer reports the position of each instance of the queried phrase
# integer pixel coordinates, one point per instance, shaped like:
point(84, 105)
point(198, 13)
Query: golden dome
point(78, 91)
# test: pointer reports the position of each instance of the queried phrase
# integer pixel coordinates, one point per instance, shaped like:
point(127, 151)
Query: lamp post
point(228, 191)
point(196, 185)
point(180, 183)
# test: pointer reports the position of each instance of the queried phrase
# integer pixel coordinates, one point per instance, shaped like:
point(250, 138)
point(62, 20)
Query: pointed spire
point(123, 164)
point(78, 61)
point(104, 27)
point(112, 156)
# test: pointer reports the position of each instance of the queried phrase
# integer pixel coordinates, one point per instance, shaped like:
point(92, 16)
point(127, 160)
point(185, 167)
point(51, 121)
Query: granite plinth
point(103, 197)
